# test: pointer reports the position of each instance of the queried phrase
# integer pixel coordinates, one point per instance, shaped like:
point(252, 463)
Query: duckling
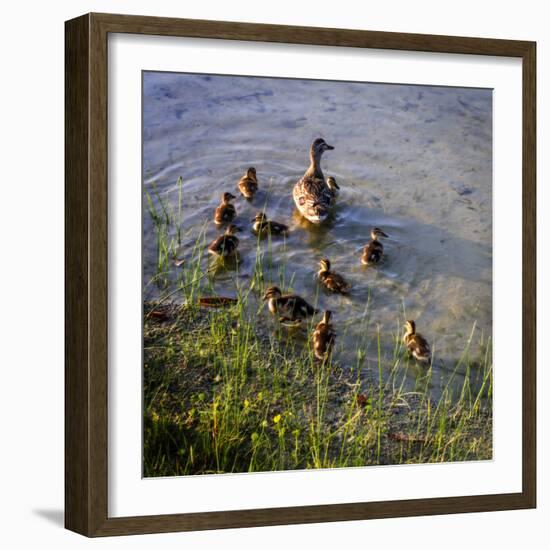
point(333, 186)
point(332, 281)
point(416, 344)
point(248, 184)
point(225, 212)
point(323, 337)
point(311, 194)
point(225, 245)
point(373, 252)
point(289, 307)
point(262, 226)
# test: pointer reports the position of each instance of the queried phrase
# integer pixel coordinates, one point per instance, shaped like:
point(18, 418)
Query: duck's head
point(226, 197)
point(326, 317)
point(272, 292)
point(410, 327)
point(319, 146)
point(332, 185)
point(232, 229)
point(325, 264)
point(377, 232)
point(260, 217)
point(251, 173)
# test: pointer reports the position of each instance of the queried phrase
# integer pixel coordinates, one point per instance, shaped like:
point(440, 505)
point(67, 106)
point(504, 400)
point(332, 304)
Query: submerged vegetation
point(229, 390)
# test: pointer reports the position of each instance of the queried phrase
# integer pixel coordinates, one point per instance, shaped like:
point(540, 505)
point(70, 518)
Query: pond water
point(415, 161)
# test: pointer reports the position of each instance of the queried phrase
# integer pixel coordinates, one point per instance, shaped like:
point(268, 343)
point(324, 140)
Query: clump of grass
point(225, 393)
point(229, 390)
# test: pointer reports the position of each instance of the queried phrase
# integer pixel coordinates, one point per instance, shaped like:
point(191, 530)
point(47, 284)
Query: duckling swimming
point(262, 226)
point(311, 194)
point(225, 212)
point(332, 281)
point(416, 344)
point(289, 307)
point(333, 186)
point(248, 184)
point(323, 337)
point(373, 252)
point(225, 245)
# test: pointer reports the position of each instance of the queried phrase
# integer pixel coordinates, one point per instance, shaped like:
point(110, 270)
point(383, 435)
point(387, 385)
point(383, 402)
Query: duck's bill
point(328, 147)
point(289, 323)
point(317, 218)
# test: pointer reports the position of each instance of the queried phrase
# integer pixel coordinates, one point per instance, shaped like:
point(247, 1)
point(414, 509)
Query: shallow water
point(413, 160)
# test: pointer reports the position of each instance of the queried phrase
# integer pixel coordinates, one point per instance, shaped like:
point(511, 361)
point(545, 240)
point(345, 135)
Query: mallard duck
point(373, 252)
point(333, 187)
point(225, 245)
point(332, 281)
point(225, 212)
point(312, 194)
point(262, 226)
point(323, 337)
point(416, 344)
point(248, 184)
point(289, 307)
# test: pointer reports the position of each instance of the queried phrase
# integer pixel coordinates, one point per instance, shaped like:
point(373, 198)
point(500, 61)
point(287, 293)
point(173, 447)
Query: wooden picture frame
point(86, 283)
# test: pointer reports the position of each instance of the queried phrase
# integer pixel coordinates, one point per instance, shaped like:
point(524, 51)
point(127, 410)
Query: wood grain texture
point(86, 257)
point(77, 458)
point(529, 275)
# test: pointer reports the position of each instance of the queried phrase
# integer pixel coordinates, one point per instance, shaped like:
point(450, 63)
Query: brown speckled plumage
point(225, 212)
point(263, 227)
point(373, 252)
point(311, 194)
point(332, 281)
point(225, 245)
point(333, 187)
point(323, 338)
point(289, 307)
point(416, 344)
point(248, 184)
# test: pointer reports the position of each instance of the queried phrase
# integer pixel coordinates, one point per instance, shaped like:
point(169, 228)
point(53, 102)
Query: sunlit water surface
point(413, 160)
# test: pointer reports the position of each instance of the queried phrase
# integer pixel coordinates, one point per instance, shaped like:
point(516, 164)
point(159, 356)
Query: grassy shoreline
point(225, 392)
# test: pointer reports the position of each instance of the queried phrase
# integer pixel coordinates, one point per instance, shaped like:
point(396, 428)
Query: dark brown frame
point(86, 274)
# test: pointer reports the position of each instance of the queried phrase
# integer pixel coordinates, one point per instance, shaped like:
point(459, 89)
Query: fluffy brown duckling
point(333, 187)
point(290, 307)
point(416, 344)
point(248, 184)
point(373, 252)
point(225, 212)
point(225, 245)
point(332, 281)
point(262, 226)
point(323, 337)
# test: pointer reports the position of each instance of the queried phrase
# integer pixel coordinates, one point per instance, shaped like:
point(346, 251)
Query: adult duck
point(311, 194)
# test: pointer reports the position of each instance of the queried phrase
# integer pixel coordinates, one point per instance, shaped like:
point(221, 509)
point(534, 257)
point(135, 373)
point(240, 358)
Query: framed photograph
point(300, 274)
